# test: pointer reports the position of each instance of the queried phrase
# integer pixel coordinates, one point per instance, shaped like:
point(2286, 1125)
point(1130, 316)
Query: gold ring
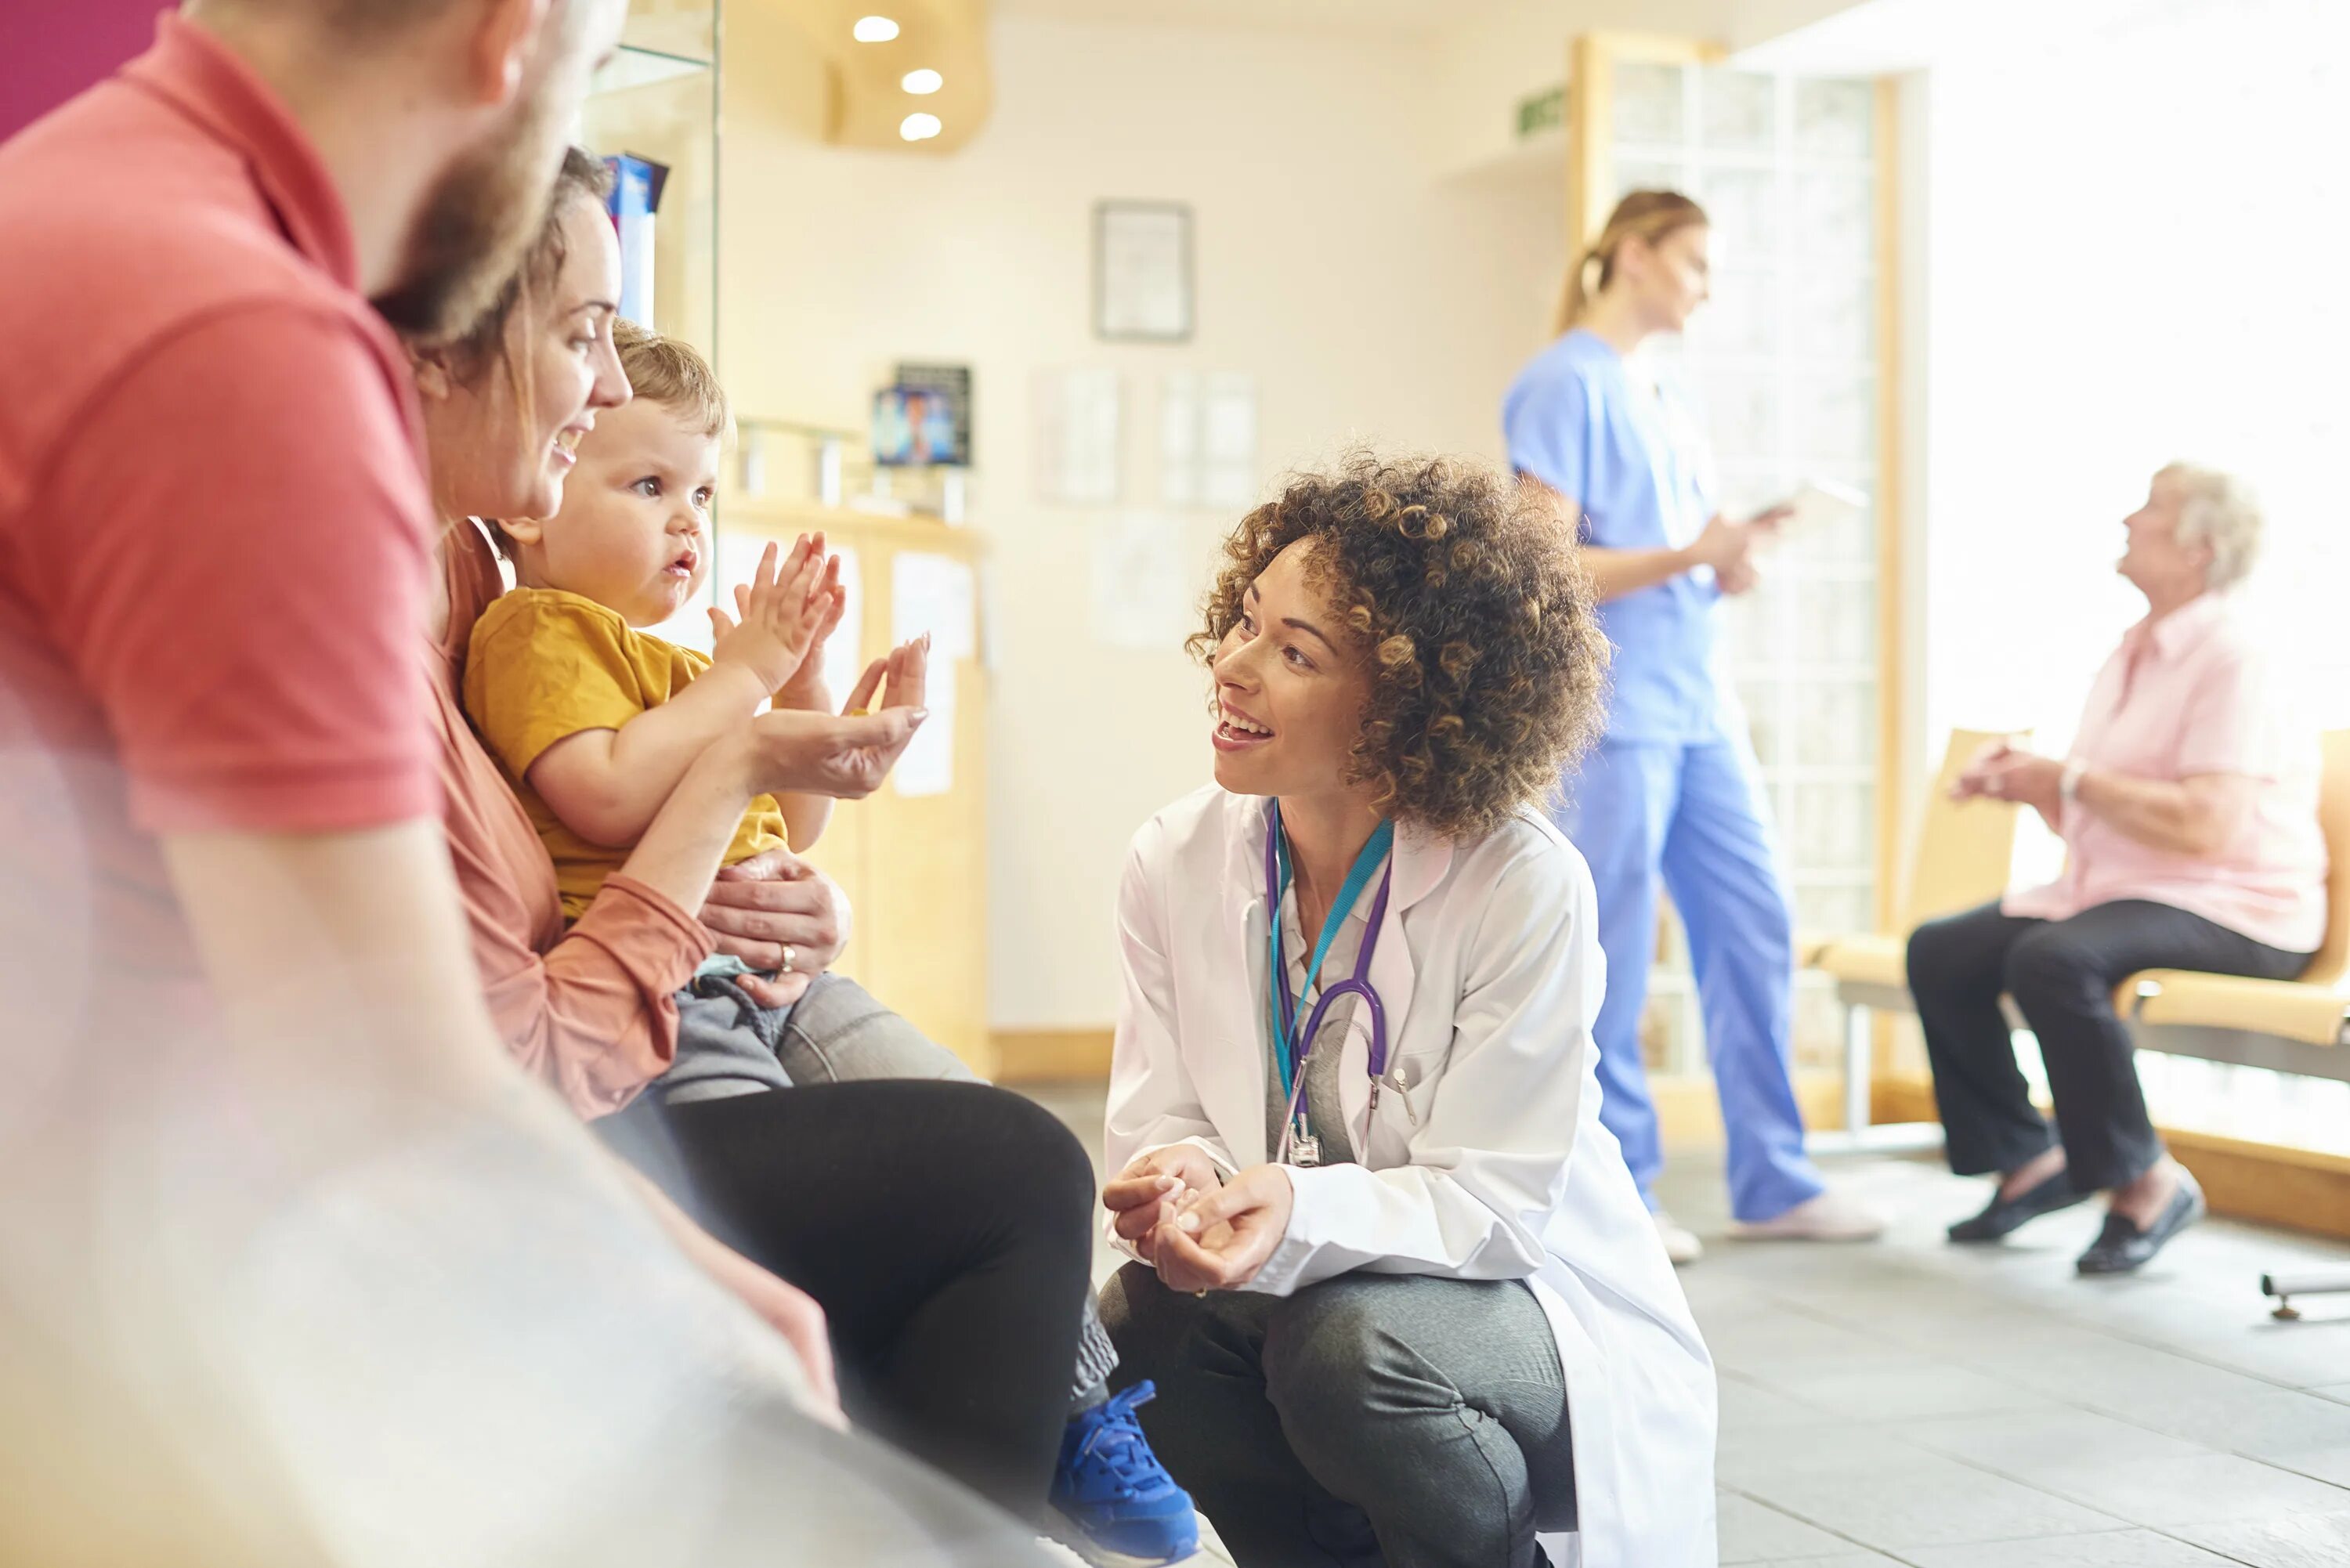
point(791, 956)
point(859, 713)
point(1202, 1292)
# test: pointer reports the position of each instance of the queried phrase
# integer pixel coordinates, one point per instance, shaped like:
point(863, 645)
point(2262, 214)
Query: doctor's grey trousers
point(1368, 1421)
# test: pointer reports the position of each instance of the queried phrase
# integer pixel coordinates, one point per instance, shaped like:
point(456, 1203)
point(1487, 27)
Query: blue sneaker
point(1113, 1503)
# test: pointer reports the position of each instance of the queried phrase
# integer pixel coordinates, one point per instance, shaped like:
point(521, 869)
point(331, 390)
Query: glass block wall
point(1784, 364)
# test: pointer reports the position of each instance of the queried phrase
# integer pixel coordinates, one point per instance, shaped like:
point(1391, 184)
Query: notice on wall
point(1144, 582)
point(934, 593)
point(1142, 272)
point(841, 664)
point(1077, 436)
point(927, 765)
point(1207, 439)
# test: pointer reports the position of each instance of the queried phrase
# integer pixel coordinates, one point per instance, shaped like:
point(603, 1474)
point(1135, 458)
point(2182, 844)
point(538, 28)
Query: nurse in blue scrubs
point(1671, 793)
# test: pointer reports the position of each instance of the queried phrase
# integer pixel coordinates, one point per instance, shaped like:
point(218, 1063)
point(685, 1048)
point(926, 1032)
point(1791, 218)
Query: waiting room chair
point(1962, 858)
point(2298, 1026)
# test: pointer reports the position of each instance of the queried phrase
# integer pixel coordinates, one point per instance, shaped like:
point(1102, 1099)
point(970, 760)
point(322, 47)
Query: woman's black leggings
point(944, 1226)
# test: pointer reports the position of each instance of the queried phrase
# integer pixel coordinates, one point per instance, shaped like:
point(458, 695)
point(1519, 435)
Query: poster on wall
point(1207, 439)
point(1077, 437)
point(934, 593)
point(1146, 577)
point(1142, 272)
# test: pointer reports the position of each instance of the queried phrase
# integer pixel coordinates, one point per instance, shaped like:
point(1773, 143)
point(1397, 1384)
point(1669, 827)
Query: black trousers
point(1367, 1421)
point(2061, 974)
point(944, 1226)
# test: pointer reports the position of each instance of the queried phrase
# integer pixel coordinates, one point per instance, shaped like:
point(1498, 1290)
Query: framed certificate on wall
point(1142, 272)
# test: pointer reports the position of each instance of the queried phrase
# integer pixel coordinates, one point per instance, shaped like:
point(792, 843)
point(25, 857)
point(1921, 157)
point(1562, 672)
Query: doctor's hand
point(1150, 1188)
point(1728, 546)
point(1220, 1241)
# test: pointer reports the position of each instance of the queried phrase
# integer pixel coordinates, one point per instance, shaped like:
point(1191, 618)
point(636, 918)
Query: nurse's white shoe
point(1680, 1245)
point(1829, 1217)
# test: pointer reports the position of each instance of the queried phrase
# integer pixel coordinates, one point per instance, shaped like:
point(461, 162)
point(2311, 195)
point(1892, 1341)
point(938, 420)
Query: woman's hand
point(1149, 1188)
point(1219, 1239)
point(848, 756)
point(2005, 773)
point(773, 901)
point(1980, 767)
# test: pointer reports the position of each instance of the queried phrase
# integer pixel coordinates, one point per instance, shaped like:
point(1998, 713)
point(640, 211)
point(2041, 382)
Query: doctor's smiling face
point(1410, 636)
point(1290, 685)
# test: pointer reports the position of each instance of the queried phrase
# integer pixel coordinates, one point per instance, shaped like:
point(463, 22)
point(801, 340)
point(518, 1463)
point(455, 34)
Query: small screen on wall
point(915, 427)
point(951, 383)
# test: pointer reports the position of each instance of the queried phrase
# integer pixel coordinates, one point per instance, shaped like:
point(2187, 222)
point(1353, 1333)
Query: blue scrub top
point(1632, 458)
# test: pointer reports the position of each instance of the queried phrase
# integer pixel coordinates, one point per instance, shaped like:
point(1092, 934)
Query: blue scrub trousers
point(1687, 813)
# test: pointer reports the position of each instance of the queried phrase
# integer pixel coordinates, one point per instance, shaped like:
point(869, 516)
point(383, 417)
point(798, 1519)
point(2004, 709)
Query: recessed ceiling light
point(875, 30)
point(918, 127)
point(921, 83)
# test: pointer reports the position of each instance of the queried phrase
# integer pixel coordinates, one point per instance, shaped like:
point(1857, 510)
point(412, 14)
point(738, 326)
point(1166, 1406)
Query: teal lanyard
point(1288, 1052)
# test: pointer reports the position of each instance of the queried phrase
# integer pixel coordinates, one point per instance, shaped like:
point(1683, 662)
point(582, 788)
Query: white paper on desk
point(1077, 436)
point(928, 765)
point(1144, 583)
point(935, 594)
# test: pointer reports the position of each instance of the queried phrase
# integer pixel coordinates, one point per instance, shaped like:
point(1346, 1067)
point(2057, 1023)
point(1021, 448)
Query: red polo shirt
point(214, 531)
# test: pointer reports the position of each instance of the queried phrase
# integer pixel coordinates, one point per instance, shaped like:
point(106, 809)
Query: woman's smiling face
point(1290, 686)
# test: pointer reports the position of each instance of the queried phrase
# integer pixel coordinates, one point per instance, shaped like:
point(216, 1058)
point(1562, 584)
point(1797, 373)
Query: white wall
point(1369, 301)
point(2138, 246)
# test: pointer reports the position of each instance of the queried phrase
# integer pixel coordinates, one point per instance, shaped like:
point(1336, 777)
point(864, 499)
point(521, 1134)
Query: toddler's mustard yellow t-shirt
point(545, 665)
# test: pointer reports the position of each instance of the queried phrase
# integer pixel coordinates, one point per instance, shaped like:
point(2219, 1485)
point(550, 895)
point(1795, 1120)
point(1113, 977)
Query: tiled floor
point(1911, 1402)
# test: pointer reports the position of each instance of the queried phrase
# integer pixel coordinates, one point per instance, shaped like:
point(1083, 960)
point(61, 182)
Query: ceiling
point(1354, 15)
point(1737, 23)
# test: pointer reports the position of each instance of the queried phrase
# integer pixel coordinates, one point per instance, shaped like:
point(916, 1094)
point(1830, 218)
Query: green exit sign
point(1541, 111)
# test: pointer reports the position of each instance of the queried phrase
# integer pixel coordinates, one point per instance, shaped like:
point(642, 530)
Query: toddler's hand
point(780, 610)
point(807, 687)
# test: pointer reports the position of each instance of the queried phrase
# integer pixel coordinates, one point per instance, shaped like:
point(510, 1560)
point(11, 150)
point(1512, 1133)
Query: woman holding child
point(1393, 1279)
point(957, 1338)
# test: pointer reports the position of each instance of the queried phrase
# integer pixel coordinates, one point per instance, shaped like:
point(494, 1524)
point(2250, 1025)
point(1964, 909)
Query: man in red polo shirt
point(293, 1265)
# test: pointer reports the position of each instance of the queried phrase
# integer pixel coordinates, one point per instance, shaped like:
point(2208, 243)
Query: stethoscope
point(1298, 1145)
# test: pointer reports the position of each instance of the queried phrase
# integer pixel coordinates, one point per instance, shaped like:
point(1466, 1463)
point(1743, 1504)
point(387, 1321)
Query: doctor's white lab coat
point(1489, 1164)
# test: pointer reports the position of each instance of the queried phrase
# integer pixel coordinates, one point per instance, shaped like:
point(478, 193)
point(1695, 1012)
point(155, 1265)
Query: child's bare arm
point(607, 785)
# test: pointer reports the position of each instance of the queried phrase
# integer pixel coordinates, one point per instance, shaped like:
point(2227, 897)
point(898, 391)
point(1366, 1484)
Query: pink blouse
point(2183, 696)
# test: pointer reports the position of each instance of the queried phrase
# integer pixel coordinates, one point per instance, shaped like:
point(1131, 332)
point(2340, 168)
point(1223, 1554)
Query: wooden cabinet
point(914, 866)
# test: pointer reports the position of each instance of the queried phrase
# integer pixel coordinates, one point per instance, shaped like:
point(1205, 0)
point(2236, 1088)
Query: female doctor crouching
point(1399, 1294)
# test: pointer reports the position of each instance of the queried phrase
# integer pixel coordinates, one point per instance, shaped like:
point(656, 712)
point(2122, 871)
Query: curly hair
point(1464, 595)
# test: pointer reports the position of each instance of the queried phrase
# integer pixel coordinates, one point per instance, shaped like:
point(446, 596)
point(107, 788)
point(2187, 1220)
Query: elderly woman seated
point(2188, 810)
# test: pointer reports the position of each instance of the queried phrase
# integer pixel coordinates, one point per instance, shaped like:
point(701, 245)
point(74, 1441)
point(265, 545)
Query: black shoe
point(2003, 1215)
point(2122, 1246)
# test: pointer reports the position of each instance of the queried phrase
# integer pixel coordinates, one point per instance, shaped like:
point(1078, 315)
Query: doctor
point(1670, 790)
point(1393, 1281)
